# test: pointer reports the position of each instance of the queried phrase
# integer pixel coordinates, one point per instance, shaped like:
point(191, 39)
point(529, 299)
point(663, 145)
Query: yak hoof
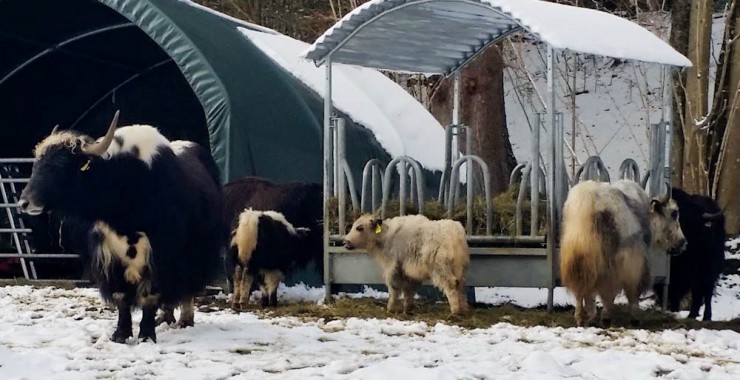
point(693, 315)
point(146, 335)
point(707, 319)
point(185, 323)
point(165, 318)
point(239, 306)
point(634, 322)
point(606, 322)
point(120, 336)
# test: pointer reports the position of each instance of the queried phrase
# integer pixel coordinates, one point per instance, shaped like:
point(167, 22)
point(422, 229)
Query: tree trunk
point(482, 108)
point(679, 39)
point(728, 175)
point(695, 171)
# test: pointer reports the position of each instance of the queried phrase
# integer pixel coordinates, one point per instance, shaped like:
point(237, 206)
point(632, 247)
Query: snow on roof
point(401, 124)
point(439, 36)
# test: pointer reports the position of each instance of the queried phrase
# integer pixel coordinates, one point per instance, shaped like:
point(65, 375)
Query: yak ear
point(655, 205)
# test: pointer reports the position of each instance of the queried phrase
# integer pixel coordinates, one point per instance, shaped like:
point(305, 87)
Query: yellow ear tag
point(378, 229)
point(86, 166)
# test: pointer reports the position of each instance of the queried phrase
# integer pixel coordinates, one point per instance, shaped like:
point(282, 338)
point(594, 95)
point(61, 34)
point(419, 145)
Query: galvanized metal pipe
point(372, 167)
point(39, 256)
point(350, 185)
point(534, 192)
point(454, 186)
point(16, 160)
point(629, 170)
point(402, 173)
point(341, 188)
point(552, 184)
point(387, 182)
point(445, 180)
point(520, 199)
point(327, 173)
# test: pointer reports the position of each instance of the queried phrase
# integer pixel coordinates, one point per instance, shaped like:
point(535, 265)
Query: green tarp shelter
point(167, 63)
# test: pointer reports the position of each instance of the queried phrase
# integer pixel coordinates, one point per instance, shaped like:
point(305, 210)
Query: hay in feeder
point(504, 212)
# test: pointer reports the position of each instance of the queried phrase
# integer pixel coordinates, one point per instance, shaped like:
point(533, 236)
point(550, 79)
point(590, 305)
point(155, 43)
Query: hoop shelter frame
point(442, 36)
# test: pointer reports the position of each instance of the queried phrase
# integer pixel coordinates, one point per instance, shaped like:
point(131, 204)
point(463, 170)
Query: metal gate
point(12, 181)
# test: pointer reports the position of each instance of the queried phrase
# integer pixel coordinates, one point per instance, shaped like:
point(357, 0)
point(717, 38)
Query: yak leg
point(451, 287)
point(631, 268)
point(394, 283)
point(149, 305)
point(124, 328)
point(246, 287)
point(166, 315)
point(272, 282)
point(242, 286)
point(582, 312)
point(187, 313)
point(696, 301)
point(607, 292)
point(708, 292)
point(409, 291)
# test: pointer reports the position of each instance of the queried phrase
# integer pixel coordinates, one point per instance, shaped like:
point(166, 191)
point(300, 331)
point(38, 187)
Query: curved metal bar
point(387, 182)
point(454, 187)
point(516, 173)
point(629, 166)
point(589, 170)
point(412, 184)
point(114, 89)
point(645, 179)
point(370, 167)
point(351, 184)
point(68, 41)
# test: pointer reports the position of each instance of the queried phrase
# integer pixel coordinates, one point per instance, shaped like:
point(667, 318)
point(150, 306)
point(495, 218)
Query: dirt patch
point(479, 316)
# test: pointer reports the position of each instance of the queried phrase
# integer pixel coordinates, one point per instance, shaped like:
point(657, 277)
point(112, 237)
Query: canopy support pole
point(551, 179)
point(327, 173)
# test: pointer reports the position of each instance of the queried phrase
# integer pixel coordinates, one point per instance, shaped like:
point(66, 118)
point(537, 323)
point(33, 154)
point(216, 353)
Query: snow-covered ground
point(51, 333)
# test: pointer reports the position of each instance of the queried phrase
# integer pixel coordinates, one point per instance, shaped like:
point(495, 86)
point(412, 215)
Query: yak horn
point(54, 130)
point(667, 197)
point(98, 148)
point(709, 216)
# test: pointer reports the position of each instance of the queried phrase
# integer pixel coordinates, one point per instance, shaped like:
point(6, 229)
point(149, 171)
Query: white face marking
point(142, 138)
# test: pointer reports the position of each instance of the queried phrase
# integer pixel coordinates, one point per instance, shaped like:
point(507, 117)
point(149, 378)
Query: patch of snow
point(400, 123)
point(64, 334)
point(562, 26)
point(733, 249)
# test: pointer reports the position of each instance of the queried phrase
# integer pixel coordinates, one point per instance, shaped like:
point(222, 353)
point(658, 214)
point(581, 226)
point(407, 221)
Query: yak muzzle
point(348, 245)
point(28, 207)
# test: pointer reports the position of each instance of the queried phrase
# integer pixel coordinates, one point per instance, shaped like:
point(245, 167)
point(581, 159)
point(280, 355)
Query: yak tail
point(244, 237)
point(581, 250)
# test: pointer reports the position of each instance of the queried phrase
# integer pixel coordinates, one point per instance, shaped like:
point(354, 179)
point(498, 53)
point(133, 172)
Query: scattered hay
point(504, 212)
point(479, 316)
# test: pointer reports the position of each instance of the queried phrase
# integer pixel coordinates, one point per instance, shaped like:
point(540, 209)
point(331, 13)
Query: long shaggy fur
point(264, 245)
point(300, 204)
point(140, 185)
point(607, 232)
point(411, 249)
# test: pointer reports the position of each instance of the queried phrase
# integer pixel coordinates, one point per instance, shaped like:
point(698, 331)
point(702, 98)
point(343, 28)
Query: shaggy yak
point(264, 245)
point(607, 232)
point(699, 267)
point(411, 249)
point(300, 203)
point(156, 211)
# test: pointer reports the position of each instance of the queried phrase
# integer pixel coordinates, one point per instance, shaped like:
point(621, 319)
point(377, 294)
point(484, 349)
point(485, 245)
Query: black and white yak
point(264, 245)
point(157, 214)
point(698, 268)
point(300, 203)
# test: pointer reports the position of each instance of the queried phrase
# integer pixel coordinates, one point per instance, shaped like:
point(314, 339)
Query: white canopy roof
point(439, 36)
